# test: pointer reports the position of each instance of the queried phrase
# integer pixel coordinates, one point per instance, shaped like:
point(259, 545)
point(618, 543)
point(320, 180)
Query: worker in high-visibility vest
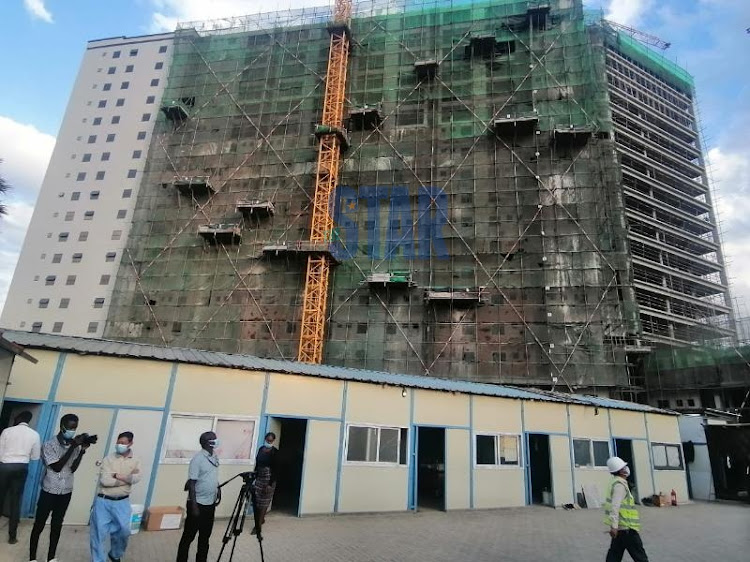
point(621, 515)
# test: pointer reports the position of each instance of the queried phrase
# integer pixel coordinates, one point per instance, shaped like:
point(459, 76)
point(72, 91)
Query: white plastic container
point(136, 516)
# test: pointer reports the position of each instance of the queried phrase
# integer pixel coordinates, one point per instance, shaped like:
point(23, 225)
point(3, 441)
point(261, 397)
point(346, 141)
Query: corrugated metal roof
point(250, 362)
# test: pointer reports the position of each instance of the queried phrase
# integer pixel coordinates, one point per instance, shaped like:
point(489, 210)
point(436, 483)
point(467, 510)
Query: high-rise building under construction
point(502, 191)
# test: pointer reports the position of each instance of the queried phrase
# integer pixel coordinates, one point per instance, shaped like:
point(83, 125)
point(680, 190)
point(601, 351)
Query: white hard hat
point(615, 464)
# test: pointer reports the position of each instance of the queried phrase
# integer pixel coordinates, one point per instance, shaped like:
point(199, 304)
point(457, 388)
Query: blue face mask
point(69, 433)
point(121, 449)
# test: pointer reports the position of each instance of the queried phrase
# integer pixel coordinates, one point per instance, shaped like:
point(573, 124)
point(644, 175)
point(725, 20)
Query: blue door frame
point(46, 429)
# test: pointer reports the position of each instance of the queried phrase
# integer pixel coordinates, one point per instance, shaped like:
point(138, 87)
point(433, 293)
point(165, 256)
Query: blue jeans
point(109, 518)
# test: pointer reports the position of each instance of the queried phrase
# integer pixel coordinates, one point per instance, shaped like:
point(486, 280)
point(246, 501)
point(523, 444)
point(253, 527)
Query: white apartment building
point(73, 247)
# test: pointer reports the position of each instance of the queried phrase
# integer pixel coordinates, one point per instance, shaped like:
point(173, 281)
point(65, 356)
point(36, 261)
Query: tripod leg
point(229, 531)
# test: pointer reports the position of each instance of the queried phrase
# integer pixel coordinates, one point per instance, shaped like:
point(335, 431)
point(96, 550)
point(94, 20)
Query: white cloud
point(12, 230)
point(626, 12)
point(37, 10)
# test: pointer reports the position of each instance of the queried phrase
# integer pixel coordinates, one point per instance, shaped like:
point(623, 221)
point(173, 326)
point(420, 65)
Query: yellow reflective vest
point(628, 514)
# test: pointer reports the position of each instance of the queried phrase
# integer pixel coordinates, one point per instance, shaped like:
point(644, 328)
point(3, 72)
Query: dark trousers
point(12, 480)
point(202, 525)
point(627, 540)
point(48, 503)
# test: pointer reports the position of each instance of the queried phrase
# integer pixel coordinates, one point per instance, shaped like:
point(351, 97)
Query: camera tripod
point(237, 520)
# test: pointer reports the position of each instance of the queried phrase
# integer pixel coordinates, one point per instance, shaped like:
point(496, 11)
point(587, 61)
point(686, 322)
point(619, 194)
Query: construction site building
point(521, 197)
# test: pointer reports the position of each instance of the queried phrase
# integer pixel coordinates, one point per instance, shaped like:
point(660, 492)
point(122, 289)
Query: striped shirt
point(57, 483)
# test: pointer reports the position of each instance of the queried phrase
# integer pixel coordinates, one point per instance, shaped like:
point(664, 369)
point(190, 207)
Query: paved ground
point(697, 532)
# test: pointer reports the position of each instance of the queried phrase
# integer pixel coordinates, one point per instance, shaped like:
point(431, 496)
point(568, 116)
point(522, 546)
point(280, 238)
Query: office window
point(145, 117)
point(133, 52)
point(110, 256)
point(69, 216)
point(99, 303)
point(43, 303)
point(666, 456)
point(93, 326)
point(97, 121)
point(125, 85)
point(57, 327)
point(36, 327)
point(83, 236)
point(376, 444)
point(71, 280)
point(141, 135)
point(64, 303)
point(115, 119)
point(104, 280)
point(150, 99)
point(126, 193)
point(102, 103)
point(81, 176)
point(131, 173)
point(158, 66)
point(116, 234)
point(111, 137)
point(589, 453)
point(237, 437)
point(99, 176)
point(75, 196)
point(77, 257)
point(662, 403)
point(107, 87)
point(163, 49)
point(92, 139)
point(49, 280)
point(121, 213)
point(498, 450)
point(155, 82)
point(88, 215)
point(94, 195)
point(111, 70)
point(120, 102)
point(137, 154)
point(129, 68)
point(62, 237)
point(86, 157)
point(57, 258)
point(116, 55)
point(105, 156)
point(691, 402)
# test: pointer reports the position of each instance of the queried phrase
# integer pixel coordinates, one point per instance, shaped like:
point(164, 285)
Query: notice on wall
point(171, 521)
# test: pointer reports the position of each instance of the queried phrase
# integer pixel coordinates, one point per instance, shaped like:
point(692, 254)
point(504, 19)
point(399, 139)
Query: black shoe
point(113, 559)
point(12, 540)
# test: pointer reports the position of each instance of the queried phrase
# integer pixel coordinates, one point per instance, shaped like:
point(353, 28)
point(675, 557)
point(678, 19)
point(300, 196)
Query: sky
point(42, 43)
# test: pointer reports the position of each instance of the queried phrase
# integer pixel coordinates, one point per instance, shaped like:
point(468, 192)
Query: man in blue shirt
point(202, 487)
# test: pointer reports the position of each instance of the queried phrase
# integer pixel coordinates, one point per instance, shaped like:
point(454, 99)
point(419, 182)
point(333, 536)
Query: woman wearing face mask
point(265, 476)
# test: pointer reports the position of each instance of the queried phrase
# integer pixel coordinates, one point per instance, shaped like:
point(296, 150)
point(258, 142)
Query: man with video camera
point(61, 456)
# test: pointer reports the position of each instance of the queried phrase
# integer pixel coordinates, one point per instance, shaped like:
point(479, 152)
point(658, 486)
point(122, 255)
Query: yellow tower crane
point(332, 138)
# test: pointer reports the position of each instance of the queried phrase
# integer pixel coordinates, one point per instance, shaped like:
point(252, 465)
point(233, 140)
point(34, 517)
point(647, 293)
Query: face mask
point(626, 470)
point(214, 443)
point(121, 449)
point(69, 433)
point(269, 445)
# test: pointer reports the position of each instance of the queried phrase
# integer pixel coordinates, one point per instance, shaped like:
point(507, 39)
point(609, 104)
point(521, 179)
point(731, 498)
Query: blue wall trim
point(471, 452)
point(57, 376)
point(342, 436)
point(302, 417)
point(305, 462)
point(108, 444)
point(162, 431)
point(650, 455)
point(527, 471)
point(572, 457)
point(411, 499)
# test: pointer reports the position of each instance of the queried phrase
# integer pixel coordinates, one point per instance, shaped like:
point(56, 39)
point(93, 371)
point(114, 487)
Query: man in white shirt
point(18, 445)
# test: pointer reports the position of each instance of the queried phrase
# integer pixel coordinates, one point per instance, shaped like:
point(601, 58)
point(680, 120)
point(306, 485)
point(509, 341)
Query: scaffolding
point(477, 218)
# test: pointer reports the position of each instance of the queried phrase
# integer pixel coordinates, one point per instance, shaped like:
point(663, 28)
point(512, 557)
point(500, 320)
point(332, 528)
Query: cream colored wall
point(642, 456)
point(373, 488)
point(545, 417)
point(627, 424)
point(458, 466)
point(304, 396)
point(231, 391)
point(440, 408)
point(496, 415)
point(319, 472)
point(495, 487)
point(562, 482)
point(663, 429)
point(584, 422)
point(592, 477)
point(368, 403)
point(32, 381)
point(114, 380)
point(668, 480)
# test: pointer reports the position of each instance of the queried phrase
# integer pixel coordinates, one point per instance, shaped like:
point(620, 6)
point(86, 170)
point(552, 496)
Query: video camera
point(86, 439)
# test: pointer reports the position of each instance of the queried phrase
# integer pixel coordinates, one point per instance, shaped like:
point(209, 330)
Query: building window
point(97, 121)
point(83, 236)
point(64, 303)
point(105, 157)
point(110, 256)
point(589, 453)
point(116, 234)
point(125, 85)
point(137, 154)
point(666, 456)
point(70, 215)
point(71, 280)
point(662, 403)
point(129, 68)
point(57, 258)
point(107, 87)
point(691, 402)
point(81, 176)
point(133, 52)
point(62, 237)
point(36, 327)
point(126, 193)
point(158, 66)
point(163, 49)
point(111, 137)
point(92, 139)
point(88, 215)
point(104, 280)
point(371, 444)
point(120, 102)
point(155, 82)
point(121, 213)
point(77, 257)
point(99, 303)
point(102, 103)
point(498, 450)
point(141, 135)
point(131, 173)
point(111, 70)
point(57, 327)
point(116, 55)
point(116, 120)
point(100, 175)
point(150, 99)
point(43, 303)
point(93, 326)
point(49, 280)
point(679, 402)
point(237, 437)
point(145, 117)
point(75, 196)
point(86, 157)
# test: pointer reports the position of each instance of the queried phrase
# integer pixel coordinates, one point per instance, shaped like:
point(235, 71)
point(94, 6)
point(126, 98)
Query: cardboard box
point(660, 500)
point(163, 518)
